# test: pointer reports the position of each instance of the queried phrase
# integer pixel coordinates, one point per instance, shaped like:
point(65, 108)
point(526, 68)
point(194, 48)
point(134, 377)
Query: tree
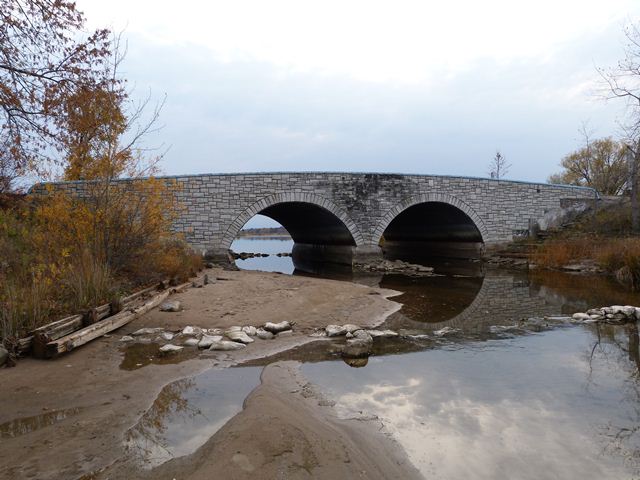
point(600, 164)
point(499, 166)
point(623, 82)
point(45, 57)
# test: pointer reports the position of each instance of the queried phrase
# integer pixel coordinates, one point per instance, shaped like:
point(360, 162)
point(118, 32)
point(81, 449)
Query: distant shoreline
point(278, 232)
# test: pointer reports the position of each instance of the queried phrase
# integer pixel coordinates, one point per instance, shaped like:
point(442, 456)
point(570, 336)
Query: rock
point(171, 306)
point(4, 355)
point(350, 327)
point(147, 331)
point(226, 345)
point(238, 336)
point(277, 327)
point(362, 335)
point(382, 333)
point(581, 316)
point(596, 311)
point(191, 331)
point(207, 340)
point(335, 330)
point(356, 348)
point(262, 334)
point(249, 330)
point(168, 336)
point(170, 348)
point(191, 342)
point(286, 333)
point(445, 331)
point(127, 338)
point(318, 333)
point(349, 335)
point(214, 331)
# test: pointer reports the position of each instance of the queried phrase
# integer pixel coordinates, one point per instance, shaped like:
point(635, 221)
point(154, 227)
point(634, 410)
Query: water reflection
point(526, 407)
point(22, 426)
point(187, 413)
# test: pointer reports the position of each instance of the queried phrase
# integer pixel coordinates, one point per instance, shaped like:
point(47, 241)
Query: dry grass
point(617, 256)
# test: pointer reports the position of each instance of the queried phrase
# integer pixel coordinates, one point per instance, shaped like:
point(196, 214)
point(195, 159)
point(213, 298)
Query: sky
point(376, 86)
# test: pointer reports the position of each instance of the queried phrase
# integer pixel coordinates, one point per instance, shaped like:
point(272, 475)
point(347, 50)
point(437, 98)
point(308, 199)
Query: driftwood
point(85, 335)
point(47, 333)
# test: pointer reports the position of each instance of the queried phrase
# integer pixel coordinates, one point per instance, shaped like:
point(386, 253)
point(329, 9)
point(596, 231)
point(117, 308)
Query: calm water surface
point(493, 400)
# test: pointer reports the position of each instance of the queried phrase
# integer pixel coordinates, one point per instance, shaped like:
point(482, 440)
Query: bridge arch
point(433, 225)
point(316, 204)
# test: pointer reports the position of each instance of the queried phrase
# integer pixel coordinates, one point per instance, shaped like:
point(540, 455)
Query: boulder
point(226, 345)
point(191, 331)
point(335, 330)
point(350, 327)
point(170, 348)
point(207, 340)
point(168, 336)
point(581, 316)
point(362, 335)
point(191, 342)
point(249, 330)
point(126, 338)
point(171, 306)
point(238, 336)
point(262, 334)
point(277, 327)
point(147, 331)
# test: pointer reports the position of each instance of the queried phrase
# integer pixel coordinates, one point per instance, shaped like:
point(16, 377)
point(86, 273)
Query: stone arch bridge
point(351, 212)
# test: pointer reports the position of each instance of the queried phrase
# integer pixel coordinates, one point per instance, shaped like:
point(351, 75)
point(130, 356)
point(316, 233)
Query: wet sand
point(67, 418)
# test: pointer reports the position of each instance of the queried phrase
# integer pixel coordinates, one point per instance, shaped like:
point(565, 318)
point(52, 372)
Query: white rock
point(277, 327)
point(581, 316)
point(226, 345)
point(192, 331)
point(350, 328)
point(191, 342)
point(170, 348)
point(214, 331)
point(126, 338)
point(382, 333)
point(286, 333)
point(171, 306)
point(262, 334)
point(318, 333)
point(349, 335)
point(249, 330)
point(207, 340)
point(234, 328)
point(445, 331)
point(335, 330)
point(147, 331)
point(239, 336)
point(166, 336)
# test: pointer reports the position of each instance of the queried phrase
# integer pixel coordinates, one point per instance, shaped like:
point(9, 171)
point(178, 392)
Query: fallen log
point(47, 333)
point(85, 335)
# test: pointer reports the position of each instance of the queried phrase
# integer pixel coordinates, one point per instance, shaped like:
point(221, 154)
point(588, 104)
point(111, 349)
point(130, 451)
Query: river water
point(492, 400)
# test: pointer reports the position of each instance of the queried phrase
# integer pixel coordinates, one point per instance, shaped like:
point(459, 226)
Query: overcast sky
point(384, 86)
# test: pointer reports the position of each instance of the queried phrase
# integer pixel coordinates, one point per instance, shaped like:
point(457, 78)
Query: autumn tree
point(599, 164)
point(498, 167)
point(45, 56)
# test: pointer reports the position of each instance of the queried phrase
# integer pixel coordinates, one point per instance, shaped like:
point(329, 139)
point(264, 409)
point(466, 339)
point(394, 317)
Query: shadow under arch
point(432, 225)
point(321, 231)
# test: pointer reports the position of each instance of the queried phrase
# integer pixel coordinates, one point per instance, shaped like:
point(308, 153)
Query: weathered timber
point(85, 335)
point(47, 333)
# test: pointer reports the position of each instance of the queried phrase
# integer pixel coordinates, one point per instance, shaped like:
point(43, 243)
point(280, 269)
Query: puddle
point(187, 413)
point(564, 402)
point(138, 355)
point(22, 426)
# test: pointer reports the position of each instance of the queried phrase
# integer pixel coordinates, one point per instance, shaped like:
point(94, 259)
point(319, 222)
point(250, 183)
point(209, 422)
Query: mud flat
point(68, 418)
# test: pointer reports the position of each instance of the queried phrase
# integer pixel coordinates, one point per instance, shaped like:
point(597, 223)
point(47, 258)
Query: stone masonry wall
point(216, 206)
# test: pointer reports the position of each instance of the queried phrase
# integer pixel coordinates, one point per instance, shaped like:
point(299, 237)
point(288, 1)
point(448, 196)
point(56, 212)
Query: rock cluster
point(233, 338)
point(396, 266)
point(612, 314)
point(245, 255)
point(359, 342)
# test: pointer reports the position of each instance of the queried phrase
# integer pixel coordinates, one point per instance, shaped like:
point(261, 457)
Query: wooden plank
point(47, 333)
point(85, 335)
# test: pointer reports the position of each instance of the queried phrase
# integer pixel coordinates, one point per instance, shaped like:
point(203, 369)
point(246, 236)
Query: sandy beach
point(67, 418)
